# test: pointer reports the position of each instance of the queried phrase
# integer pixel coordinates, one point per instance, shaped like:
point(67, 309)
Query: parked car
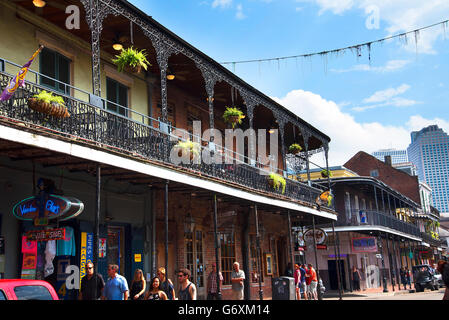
point(26, 290)
point(439, 279)
point(424, 278)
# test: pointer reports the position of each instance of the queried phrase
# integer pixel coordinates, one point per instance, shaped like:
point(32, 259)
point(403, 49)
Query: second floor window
point(54, 66)
point(117, 96)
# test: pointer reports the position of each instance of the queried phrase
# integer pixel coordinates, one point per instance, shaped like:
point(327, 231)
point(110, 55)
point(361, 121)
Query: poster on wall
point(102, 248)
point(365, 244)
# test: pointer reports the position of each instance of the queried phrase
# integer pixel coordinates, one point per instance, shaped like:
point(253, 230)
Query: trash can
point(283, 288)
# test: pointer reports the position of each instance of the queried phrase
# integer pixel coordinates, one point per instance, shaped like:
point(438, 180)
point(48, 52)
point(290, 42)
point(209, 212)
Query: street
point(426, 295)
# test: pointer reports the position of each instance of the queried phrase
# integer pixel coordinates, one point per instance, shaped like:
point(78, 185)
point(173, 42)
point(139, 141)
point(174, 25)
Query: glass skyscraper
point(429, 151)
point(397, 156)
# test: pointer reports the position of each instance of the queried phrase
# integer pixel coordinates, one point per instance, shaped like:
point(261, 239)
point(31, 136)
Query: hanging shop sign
point(46, 235)
point(320, 236)
point(365, 244)
point(87, 252)
point(48, 207)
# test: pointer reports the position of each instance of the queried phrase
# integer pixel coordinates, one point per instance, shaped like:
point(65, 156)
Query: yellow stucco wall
point(335, 174)
point(25, 31)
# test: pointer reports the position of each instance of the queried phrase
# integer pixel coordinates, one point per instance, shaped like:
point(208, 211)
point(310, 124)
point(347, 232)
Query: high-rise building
point(397, 156)
point(429, 151)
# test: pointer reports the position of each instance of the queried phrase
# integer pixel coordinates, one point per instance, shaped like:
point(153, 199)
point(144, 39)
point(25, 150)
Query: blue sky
point(361, 104)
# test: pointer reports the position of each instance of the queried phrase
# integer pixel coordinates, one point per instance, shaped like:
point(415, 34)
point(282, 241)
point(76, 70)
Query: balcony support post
point(317, 269)
point(390, 262)
point(395, 260)
point(259, 263)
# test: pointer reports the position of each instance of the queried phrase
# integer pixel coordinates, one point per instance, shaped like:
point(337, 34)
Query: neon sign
point(53, 207)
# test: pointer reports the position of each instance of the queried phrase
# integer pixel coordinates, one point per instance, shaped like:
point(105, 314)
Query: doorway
point(333, 280)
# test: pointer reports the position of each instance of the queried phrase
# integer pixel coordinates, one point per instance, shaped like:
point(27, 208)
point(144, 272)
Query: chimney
point(388, 160)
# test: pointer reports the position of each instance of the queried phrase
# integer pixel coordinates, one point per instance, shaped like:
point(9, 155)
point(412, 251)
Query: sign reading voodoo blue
point(51, 207)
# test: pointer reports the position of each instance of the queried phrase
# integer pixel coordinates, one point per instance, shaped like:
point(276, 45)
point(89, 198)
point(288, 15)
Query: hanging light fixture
point(117, 45)
point(39, 3)
point(170, 75)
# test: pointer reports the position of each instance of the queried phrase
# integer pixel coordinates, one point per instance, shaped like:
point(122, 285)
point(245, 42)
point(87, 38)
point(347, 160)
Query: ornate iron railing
point(374, 218)
point(123, 134)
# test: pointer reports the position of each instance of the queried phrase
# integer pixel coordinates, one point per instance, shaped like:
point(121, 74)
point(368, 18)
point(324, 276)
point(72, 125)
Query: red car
point(26, 290)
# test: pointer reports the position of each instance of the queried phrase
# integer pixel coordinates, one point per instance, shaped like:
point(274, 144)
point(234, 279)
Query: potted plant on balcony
point(233, 116)
point(46, 102)
point(295, 148)
point(326, 173)
point(132, 60)
point(193, 148)
point(276, 181)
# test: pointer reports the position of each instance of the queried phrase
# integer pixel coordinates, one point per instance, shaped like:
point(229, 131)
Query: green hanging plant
point(132, 59)
point(233, 116)
point(46, 102)
point(193, 148)
point(326, 173)
point(295, 148)
point(276, 181)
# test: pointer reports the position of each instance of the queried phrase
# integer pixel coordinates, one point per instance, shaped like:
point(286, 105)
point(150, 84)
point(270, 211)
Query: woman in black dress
point(356, 279)
point(155, 293)
point(138, 286)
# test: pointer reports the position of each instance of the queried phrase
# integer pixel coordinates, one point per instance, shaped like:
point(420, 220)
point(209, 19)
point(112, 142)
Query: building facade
point(397, 156)
point(113, 157)
point(429, 151)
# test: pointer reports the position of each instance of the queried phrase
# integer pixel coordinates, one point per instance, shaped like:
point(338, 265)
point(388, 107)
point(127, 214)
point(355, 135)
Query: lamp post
point(384, 278)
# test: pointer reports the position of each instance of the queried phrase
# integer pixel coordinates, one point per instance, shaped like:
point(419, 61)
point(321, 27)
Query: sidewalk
point(333, 295)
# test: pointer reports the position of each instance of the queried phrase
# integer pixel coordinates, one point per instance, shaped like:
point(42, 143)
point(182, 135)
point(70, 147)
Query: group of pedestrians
point(93, 286)
point(306, 281)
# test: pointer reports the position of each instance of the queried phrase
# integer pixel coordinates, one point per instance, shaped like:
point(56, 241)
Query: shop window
point(227, 244)
point(116, 247)
point(117, 96)
point(55, 66)
point(194, 256)
point(255, 260)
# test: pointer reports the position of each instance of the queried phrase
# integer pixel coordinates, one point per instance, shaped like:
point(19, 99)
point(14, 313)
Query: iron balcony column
point(258, 252)
point(316, 261)
point(97, 222)
point(395, 260)
point(290, 240)
point(166, 226)
point(337, 257)
point(216, 248)
point(390, 262)
point(384, 278)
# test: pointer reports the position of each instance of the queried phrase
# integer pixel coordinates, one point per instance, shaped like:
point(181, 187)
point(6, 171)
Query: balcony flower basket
point(295, 148)
point(233, 116)
point(193, 148)
point(326, 173)
point(276, 181)
point(46, 102)
point(131, 60)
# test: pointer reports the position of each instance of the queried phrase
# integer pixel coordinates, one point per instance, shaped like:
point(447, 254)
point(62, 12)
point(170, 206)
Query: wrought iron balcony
point(140, 138)
point(374, 218)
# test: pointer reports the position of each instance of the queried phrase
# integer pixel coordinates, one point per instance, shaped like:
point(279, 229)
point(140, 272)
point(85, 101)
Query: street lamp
point(384, 278)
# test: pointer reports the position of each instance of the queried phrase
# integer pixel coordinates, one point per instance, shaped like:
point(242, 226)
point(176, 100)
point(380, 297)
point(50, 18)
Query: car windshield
point(32, 293)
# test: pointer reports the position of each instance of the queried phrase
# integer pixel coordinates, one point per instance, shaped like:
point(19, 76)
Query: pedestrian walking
point(138, 286)
point(212, 290)
point(116, 287)
point(155, 292)
point(237, 278)
point(313, 282)
point(408, 277)
point(443, 268)
point(403, 275)
point(188, 289)
point(303, 286)
point(297, 276)
point(92, 284)
point(166, 284)
point(356, 278)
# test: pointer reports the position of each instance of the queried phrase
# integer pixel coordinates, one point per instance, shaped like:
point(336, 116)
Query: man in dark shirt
point(92, 281)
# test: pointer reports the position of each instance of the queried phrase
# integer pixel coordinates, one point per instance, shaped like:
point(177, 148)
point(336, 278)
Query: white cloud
point(385, 95)
point(398, 16)
point(221, 3)
point(347, 135)
point(239, 14)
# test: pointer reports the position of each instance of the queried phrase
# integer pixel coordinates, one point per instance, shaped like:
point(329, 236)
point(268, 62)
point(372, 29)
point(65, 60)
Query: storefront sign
point(367, 244)
point(46, 235)
point(320, 236)
point(87, 252)
point(137, 258)
point(63, 208)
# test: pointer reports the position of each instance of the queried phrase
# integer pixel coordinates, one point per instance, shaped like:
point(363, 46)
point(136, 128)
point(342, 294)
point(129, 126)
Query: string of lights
point(357, 48)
